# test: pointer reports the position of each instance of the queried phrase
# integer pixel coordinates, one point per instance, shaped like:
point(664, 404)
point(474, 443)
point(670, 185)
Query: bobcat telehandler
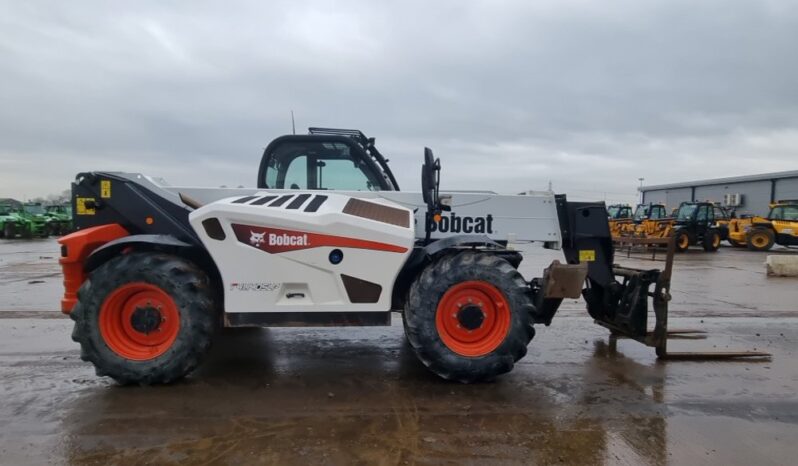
point(327, 239)
point(761, 233)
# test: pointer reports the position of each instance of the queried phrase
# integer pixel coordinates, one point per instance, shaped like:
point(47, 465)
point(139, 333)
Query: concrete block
point(782, 266)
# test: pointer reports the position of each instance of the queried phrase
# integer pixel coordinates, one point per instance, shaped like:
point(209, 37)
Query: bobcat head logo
point(256, 239)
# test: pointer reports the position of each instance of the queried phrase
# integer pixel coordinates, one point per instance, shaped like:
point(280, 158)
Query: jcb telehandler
point(761, 233)
point(643, 223)
point(620, 217)
point(703, 223)
point(327, 239)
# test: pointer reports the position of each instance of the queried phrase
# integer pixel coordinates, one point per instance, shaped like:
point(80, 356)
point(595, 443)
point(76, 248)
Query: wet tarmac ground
point(358, 395)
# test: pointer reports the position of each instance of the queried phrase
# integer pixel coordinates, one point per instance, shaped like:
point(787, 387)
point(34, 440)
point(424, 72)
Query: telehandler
point(761, 233)
point(620, 218)
point(644, 223)
point(327, 239)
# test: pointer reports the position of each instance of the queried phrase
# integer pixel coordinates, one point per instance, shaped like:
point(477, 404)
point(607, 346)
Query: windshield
point(787, 212)
point(640, 213)
point(612, 211)
point(34, 209)
point(686, 212)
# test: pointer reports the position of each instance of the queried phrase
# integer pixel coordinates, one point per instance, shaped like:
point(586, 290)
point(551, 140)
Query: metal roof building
point(749, 194)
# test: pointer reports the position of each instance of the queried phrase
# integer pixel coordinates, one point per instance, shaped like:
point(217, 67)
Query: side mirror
point(428, 178)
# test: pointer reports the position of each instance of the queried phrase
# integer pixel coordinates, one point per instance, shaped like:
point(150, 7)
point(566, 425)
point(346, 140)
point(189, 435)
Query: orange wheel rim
point(683, 241)
point(473, 318)
point(759, 240)
point(139, 321)
point(716, 241)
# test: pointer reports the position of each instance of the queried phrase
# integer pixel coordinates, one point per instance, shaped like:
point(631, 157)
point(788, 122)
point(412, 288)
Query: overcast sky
point(510, 95)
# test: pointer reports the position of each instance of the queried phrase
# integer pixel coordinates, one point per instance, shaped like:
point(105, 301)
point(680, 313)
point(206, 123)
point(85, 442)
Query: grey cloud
point(589, 95)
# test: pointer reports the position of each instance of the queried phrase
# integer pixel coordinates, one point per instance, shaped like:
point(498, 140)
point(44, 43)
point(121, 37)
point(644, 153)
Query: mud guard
point(422, 255)
point(75, 248)
point(112, 248)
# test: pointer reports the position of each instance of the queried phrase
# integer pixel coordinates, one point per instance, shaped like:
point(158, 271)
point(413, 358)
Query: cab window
point(318, 165)
point(704, 214)
point(296, 174)
point(685, 212)
point(788, 213)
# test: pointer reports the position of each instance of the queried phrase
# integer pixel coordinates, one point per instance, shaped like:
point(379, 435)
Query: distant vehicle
point(620, 217)
point(60, 216)
point(761, 233)
point(38, 222)
point(644, 222)
point(10, 222)
point(24, 221)
point(703, 223)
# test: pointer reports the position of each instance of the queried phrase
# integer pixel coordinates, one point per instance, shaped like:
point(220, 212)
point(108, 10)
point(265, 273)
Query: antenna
point(293, 126)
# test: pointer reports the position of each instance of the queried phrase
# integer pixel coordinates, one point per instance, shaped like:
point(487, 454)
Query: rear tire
point(470, 290)
point(8, 231)
point(682, 239)
point(760, 239)
point(711, 241)
point(145, 318)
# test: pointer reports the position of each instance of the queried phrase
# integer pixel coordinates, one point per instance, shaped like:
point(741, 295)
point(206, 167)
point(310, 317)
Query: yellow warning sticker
point(80, 206)
point(587, 255)
point(105, 189)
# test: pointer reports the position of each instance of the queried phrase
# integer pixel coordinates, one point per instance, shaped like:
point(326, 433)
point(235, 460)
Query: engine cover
point(306, 251)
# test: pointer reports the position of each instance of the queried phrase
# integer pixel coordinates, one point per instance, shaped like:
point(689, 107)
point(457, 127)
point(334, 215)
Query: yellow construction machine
point(761, 233)
point(619, 217)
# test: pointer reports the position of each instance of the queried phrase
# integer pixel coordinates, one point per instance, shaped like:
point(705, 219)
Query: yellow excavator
point(761, 233)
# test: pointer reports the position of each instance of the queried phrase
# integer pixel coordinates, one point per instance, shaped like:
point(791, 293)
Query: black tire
point(9, 231)
point(682, 238)
point(711, 241)
point(422, 305)
point(185, 283)
point(760, 239)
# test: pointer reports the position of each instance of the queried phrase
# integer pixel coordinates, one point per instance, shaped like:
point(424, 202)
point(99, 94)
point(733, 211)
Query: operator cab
point(619, 211)
point(325, 159)
point(649, 212)
point(784, 211)
point(704, 213)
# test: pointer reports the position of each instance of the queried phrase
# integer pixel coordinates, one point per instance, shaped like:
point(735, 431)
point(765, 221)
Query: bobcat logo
point(256, 239)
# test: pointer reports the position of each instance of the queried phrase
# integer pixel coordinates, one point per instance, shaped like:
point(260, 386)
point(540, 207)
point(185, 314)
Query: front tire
point(9, 231)
point(711, 241)
point(468, 317)
point(682, 239)
point(145, 318)
point(760, 239)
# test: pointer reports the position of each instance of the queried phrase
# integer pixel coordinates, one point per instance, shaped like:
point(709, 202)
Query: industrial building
point(747, 195)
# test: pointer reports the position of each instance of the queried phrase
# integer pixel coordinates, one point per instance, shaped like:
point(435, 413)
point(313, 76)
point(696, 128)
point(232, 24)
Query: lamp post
point(641, 189)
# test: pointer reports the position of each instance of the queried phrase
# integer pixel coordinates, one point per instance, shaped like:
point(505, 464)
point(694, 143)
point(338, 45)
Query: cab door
point(703, 219)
